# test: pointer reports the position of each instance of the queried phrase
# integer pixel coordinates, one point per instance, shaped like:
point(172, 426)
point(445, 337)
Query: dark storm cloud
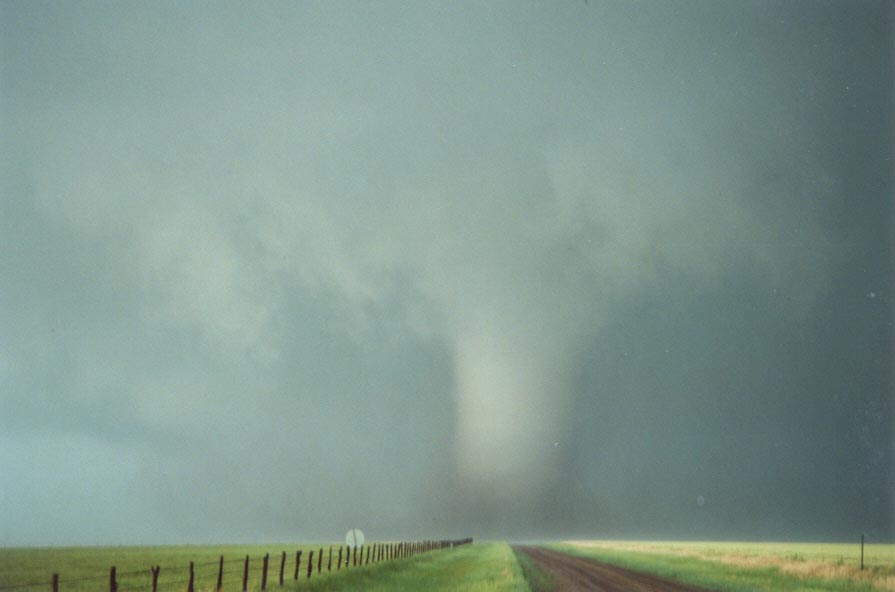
point(523, 270)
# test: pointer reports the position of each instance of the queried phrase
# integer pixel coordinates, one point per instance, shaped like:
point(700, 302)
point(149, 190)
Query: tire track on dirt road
point(572, 573)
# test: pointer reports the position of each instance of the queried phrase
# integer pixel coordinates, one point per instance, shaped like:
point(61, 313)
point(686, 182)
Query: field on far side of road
point(745, 566)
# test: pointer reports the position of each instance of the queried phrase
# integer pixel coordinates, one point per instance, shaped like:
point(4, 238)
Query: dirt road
point(569, 573)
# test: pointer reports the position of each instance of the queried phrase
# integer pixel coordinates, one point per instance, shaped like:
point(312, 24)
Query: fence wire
point(205, 573)
point(26, 585)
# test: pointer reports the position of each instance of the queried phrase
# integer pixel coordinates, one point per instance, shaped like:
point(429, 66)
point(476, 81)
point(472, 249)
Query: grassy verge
point(724, 576)
point(537, 579)
point(488, 567)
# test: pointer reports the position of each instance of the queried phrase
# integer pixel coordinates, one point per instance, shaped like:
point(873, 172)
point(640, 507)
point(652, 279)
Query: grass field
point(479, 568)
point(83, 569)
point(742, 567)
point(492, 567)
point(489, 567)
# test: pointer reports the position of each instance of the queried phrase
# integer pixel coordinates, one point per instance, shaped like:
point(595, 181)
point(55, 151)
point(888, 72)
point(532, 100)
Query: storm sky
point(269, 271)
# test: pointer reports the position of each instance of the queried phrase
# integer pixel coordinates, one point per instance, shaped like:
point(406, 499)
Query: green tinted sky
point(270, 271)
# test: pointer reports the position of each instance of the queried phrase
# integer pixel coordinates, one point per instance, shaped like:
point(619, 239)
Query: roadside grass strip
point(537, 579)
point(738, 567)
point(488, 567)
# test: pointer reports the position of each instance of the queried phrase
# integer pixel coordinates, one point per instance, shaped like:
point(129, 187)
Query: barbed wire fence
point(245, 574)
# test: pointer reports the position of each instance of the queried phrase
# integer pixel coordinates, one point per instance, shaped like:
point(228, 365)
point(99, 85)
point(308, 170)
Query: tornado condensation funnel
point(510, 418)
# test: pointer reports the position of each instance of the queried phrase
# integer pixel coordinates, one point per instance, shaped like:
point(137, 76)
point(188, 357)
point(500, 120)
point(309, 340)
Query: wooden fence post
point(862, 551)
point(310, 563)
point(113, 585)
point(282, 567)
point(297, 563)
point(220, 574)
point(189, 585)
point(367, 562)
point(329, 564)
point(245, 575)
point(264, 570)
point(55, 582)
point(154, 571)
point(339, 568)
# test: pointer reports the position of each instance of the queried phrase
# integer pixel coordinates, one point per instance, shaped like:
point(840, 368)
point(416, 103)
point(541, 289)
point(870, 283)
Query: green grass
point(490, 567)
point(537, 579)
point(86, 569)
point(480, 567)
point(747, 567)
point(493, 567)
point(875, 555)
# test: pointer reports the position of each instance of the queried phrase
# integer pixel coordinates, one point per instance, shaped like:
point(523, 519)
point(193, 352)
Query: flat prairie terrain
point(744, 566)
point(86, 569)
point(490, 567)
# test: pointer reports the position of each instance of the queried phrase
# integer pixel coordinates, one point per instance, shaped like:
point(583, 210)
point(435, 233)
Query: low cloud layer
point(430, 271)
